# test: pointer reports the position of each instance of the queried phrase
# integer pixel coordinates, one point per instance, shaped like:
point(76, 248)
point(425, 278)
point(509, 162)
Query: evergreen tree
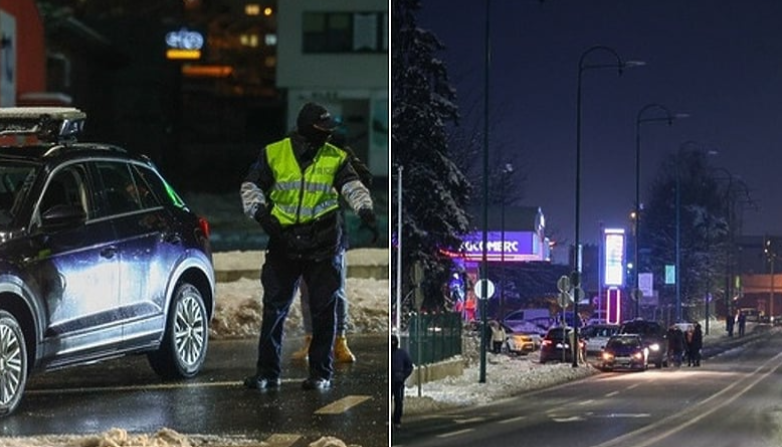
point(703, 226)
point(434, 191)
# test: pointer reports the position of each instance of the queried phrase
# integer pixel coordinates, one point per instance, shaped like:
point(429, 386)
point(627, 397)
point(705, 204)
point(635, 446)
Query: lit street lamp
point(618, 65)
point(640, 119)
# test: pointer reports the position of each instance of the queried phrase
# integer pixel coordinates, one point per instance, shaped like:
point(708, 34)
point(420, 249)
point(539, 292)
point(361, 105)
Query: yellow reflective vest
point(301, 197)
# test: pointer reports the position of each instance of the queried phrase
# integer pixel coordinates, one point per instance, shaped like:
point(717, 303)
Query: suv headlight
point(654, 347)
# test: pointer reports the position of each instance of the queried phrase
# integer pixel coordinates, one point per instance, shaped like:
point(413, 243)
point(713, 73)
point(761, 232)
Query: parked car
point(556, 345)
point(625, 351)
point(652, 335)
point(99, 256)
point(596, 336)
point(536, 326)
point(520, 344)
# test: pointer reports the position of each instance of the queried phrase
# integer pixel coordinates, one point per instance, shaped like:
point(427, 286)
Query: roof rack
point(48, 124)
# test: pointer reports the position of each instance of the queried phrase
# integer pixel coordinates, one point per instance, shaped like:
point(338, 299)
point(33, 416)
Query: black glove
point(370, 221)
point(269, 223)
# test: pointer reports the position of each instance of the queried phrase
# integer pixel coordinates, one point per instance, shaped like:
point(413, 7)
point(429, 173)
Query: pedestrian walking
point(342, 352)
point(730, 321)
point(741, 321)
point(401, 368)
point(676, 345)
point(696, 345)
point(497, 336)
point(292, 190)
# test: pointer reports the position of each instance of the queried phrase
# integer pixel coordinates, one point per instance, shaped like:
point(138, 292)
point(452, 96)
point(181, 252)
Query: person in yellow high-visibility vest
point(292, 190)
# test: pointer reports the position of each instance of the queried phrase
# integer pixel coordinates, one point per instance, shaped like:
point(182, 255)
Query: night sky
point(719, 61)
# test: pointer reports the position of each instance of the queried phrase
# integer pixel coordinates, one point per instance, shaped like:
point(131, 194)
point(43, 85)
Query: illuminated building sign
point(614, 243)
point(184, 44)
point(515, 246)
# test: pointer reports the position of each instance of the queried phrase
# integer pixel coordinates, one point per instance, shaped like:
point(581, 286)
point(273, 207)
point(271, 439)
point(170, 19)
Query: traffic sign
point(565, 299)
point(563, 283)
point(479, 288)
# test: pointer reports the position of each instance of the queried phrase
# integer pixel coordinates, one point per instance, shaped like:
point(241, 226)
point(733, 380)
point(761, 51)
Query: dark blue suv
point(99, 257)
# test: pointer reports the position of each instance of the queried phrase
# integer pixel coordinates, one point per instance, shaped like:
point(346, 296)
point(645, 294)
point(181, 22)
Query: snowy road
point(126, 394)
point(731, 400)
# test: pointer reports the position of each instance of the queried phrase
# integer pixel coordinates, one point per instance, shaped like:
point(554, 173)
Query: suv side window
point(67, 186)
point(148, 185)
point(124, 192)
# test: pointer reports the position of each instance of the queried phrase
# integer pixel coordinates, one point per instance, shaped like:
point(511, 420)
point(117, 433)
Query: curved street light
point(668, 117)
point(619, 65)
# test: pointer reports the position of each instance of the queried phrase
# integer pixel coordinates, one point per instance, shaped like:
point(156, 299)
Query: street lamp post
point(729, 199)
point(619, 65)
point(506, 171)
point(640, 119)
point(484, 263)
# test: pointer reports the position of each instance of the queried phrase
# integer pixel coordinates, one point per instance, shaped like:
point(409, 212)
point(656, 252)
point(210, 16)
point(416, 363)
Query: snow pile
point(238, 310)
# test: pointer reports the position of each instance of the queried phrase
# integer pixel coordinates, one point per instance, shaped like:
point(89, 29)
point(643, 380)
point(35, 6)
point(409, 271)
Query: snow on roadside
point(506, 376)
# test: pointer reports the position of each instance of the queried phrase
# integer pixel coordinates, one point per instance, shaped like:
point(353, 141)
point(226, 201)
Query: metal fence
point(434, 337)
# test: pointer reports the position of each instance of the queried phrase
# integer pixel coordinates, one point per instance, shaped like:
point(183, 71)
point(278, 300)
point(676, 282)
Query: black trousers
point(398, 395)
point(279, 277)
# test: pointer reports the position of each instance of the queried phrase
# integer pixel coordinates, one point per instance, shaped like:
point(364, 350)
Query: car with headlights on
point(99, 256)
point(557, 345)
point(652, 336)
point(624, 352)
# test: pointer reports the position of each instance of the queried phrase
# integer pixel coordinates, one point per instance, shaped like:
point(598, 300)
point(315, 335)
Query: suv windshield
point(618, 342)
point(643, 328)
point(14, 177)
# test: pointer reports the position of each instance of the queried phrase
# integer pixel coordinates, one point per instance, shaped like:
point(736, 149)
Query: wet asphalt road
point(125, 393)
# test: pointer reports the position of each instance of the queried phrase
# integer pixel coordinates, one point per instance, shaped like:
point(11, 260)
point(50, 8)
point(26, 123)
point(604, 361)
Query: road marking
point(342, 405)
point(149, 386)
point(624, 415)
point(508, 421)
point(467, 421)
point(612, 394)
point(722, 399)
point(282, 440)
point(455, 433)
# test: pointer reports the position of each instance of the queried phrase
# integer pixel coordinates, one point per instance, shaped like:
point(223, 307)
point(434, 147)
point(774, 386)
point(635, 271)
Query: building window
point(344, 32)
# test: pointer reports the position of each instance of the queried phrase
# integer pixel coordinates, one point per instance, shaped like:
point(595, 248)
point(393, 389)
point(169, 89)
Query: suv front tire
point(183, 350)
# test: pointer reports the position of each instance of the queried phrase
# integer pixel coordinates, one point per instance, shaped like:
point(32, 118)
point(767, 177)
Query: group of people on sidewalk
point(685, 345)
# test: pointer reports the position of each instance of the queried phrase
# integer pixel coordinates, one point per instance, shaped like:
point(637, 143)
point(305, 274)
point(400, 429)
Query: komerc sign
point(513, 246)
point(493, 246)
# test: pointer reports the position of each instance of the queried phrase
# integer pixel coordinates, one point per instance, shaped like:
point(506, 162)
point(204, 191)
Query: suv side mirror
point(63, 216)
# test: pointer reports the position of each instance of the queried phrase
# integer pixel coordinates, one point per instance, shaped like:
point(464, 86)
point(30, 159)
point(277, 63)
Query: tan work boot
point(303, 353)
point(342, 353)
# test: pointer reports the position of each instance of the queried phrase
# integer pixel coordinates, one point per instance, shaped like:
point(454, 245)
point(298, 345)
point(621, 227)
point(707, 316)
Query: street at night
point(731, 400)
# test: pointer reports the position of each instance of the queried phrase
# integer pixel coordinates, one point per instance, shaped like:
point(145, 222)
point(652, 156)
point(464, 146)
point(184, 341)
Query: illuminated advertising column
point(614, 272)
